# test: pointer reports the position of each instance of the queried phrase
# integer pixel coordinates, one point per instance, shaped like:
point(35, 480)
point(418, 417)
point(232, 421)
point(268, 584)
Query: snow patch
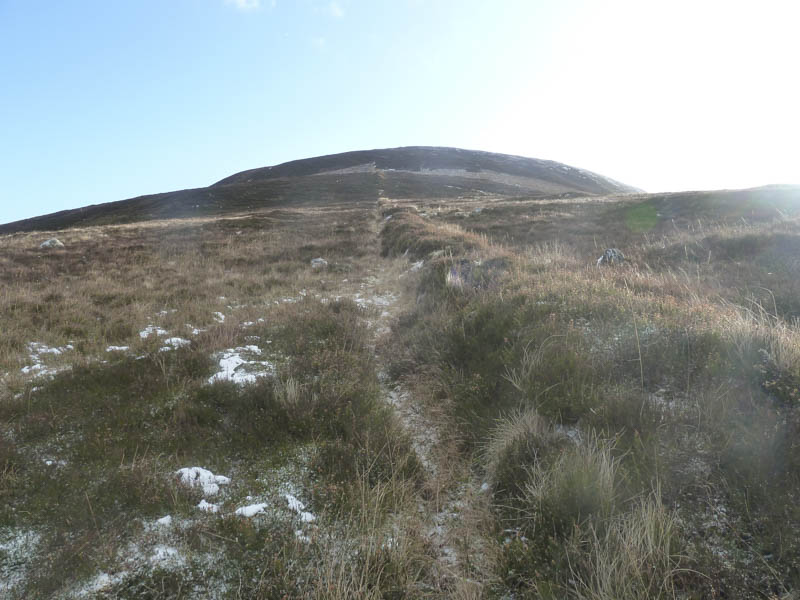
point(101, 582)
point(150, 330)
point(177, 342)
point(38, 369)
point(298, 507)
point(219, 317)
point(39, 348)
point(165, 521)
point(200, 477)
point(208, 507)
point(118, 348)
point(251, 510)
point(234, 367)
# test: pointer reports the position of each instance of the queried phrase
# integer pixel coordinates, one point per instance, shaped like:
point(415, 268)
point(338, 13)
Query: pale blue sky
point(107, 99)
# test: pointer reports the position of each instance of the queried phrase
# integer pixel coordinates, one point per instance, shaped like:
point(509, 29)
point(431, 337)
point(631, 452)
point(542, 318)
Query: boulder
point(611, 256)
point(318, 263)
point(52, 243)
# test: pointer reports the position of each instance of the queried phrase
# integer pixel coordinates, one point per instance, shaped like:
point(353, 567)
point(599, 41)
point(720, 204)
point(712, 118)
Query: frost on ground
point(376, 300)
point(17, 553)
point(203, 478)
point(163, 553)
point(424, 436)
point(295, 506)
point(233, 366)
point(36, 351)
point(100, 582)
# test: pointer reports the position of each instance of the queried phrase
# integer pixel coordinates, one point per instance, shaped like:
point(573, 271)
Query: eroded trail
point(451, 501)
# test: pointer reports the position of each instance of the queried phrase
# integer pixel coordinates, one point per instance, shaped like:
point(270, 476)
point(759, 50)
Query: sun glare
point(680, 95)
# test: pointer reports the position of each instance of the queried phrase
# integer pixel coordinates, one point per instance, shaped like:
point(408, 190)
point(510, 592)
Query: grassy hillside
point(459, 404)
point(637, 431)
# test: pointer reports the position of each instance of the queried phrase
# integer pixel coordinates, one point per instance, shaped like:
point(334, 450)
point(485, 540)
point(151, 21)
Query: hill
point(359, 381)
point(528, 174)
point(415, 172)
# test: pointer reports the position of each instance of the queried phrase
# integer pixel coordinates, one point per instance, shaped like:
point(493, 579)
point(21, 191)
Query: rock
point(52, 243)
point(611, 256)
point(319, 263)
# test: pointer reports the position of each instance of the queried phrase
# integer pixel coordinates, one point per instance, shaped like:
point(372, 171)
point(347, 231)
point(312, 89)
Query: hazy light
point(679, 94)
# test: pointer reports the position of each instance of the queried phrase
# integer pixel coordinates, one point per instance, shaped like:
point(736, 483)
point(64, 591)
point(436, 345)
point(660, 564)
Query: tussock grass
point(519, 442)
point(373, 558)
point(634, 558)
point(576, 487)
point(698, 390)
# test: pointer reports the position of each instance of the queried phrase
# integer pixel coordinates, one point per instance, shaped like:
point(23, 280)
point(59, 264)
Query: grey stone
point(611, 256)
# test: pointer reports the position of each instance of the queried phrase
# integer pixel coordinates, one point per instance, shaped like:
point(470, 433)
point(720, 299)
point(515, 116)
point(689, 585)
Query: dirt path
point(452, 500)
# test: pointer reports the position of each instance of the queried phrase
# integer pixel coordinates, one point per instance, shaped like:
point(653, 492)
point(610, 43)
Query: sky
point(102, 100)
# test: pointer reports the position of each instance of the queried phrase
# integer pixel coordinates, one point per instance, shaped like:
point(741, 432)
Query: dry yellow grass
point(516, 355)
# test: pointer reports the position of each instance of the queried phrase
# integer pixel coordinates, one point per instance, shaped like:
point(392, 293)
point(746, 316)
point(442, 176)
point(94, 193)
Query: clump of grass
point(378, 452)
point(567, 495)
point(519, 442)
point(375, 557)
point(579, 486)
point(633, 558)
point(767, 347)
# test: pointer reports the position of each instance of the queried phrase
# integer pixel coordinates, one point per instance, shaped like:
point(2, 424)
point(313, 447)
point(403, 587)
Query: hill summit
point(527, 173)
point(409, 172)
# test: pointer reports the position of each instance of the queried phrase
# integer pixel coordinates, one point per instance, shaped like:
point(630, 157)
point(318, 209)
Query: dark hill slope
point(471, 164)
point(409, 173)
point(210, 201)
